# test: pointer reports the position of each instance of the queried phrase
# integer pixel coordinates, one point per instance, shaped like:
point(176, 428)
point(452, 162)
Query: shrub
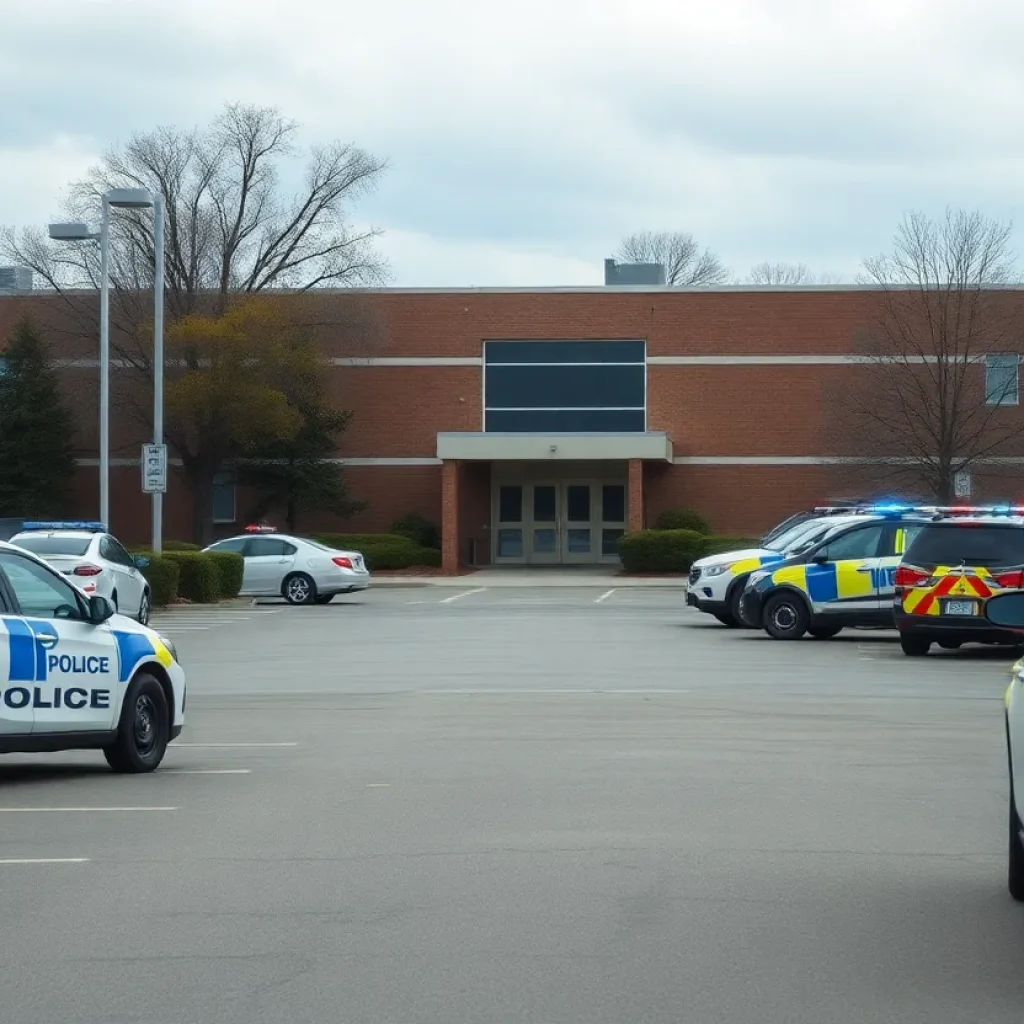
point(661, 550)
point(180, 545)
point(717, 544)
point(198, 576)
point(417, 528)
point(230, 568)
point(356, 541)
point(383, 550)
point(162, 574)
point(682, 519)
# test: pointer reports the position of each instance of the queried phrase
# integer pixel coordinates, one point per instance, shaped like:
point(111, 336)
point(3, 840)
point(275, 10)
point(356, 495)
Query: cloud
point(525, 141)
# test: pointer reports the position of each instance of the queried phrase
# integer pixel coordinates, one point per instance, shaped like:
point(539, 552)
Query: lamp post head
point(76, 232)
point(130, 198)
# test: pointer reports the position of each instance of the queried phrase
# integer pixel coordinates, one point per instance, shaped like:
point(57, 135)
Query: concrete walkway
point(515, 576)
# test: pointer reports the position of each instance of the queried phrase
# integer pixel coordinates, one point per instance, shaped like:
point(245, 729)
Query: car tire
point(914, 646)
point(1015, 872)
point(324, 598)
point(298, 588)
point(735, 599)
point(786, 617)
point(824, 632)
point(144, 729)
point(144, 609)
point(726, 619)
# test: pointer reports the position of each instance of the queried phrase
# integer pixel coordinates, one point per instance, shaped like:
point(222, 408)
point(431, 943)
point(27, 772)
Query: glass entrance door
point(559, 522)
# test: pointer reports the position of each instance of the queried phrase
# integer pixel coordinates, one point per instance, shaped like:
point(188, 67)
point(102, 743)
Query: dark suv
point(950, 569)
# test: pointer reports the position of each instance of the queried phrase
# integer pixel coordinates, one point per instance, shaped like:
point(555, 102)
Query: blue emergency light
point(88, 525)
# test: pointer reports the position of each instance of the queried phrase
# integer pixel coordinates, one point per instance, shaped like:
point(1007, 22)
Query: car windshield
point(315, 544)
point(54, 545)
point(785, 541)
point(967, 544)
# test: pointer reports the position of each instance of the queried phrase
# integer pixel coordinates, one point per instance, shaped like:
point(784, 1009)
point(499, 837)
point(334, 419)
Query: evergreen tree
point(297, 474)
point(37, 462)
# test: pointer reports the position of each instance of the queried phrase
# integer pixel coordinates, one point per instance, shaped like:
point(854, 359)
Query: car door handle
point(46, 636)
point(865, 568)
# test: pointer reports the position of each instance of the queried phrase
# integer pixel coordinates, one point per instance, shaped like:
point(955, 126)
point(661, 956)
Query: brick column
point(450, 554)
point(635, 496)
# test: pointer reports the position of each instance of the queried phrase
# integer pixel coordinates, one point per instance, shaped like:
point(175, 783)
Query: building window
point(1002, 380)
point(223, 498)
point(565, 387)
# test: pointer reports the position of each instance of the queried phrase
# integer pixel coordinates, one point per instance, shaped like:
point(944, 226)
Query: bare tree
point(780, 274)
point(784, 274)
point(229, 226)
point(936, 389)
point(678, 252)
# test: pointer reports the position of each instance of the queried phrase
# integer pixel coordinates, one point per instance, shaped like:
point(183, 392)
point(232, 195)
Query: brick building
point(537, 424)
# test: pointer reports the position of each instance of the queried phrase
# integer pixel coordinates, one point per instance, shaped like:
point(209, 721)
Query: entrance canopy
point(654, 445)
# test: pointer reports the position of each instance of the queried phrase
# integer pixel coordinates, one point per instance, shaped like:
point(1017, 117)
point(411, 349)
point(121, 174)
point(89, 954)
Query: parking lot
point(584, 805)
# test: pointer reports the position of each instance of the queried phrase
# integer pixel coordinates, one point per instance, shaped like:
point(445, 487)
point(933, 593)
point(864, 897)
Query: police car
point(955, 564)
point(74, 675)
point(846, 578)
point(1006, 611)
point(715, 584)
point(99, 563)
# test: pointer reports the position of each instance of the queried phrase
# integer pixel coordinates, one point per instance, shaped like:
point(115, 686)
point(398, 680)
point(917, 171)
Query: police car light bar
point(260, 529)
point(89, 525)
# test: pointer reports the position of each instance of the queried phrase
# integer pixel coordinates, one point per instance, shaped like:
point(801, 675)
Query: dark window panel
point(564, 351)
point(510, 504)
point(599, 421)
point(613, 503)
point(577, 503)
point(565, 387)
point(544, 503)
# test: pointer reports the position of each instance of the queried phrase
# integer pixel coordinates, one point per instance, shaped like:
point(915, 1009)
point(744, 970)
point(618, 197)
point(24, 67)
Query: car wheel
point(824, 632)
point(726, 619)
point(144, 609)
point(914, 646)
point(299, 589)
point(324, 598)
point(734, 607)
point(786, 617)
point(144, 730)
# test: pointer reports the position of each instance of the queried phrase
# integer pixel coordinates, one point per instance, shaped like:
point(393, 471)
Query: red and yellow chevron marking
point(925, 600)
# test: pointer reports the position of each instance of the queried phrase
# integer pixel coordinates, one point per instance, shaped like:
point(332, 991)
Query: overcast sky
point(524, 140)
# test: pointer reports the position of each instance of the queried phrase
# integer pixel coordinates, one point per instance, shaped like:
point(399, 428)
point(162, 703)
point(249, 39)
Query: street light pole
point(158, 358)
point(104, 441)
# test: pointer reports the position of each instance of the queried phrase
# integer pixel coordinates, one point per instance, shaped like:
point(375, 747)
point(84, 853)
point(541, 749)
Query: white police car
point(76, 676)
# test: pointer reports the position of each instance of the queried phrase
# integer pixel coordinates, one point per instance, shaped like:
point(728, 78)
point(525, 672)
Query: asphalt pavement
point(573, 806)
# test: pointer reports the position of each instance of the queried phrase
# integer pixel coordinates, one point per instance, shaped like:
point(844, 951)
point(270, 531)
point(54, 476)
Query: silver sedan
point(300, 570)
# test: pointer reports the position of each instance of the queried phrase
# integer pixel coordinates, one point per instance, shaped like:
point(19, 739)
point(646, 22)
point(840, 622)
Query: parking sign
point(154, 468)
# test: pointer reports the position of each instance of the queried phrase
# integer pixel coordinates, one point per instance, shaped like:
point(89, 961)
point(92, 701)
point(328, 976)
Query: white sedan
point(97, 562)
point(300, 570)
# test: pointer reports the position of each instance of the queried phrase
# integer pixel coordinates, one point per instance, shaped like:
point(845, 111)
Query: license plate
point(960, 608)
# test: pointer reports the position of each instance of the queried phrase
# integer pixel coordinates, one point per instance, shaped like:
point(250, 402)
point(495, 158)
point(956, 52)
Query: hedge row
point(382, 550)
point(194, 575)
point(674, 550)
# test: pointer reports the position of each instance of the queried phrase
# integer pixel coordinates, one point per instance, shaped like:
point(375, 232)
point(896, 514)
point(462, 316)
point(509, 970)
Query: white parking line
point(45, 860)
point(465, 593)
point(227, 745)
point(72, 810)
point(605, 596)
point(504, 691)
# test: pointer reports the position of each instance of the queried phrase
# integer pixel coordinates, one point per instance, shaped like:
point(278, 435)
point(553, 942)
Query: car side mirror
point(821, 558)
point(1006, 610)
point(100, 609)
point(141, 561)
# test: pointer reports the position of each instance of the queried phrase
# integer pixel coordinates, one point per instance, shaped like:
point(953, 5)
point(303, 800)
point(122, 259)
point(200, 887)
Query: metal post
point(104, 453)
point(158, 359)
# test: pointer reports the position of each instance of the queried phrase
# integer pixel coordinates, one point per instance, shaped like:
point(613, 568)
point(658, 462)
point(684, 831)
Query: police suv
point(74, 675)
point(716, 582)
point(847, 578)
